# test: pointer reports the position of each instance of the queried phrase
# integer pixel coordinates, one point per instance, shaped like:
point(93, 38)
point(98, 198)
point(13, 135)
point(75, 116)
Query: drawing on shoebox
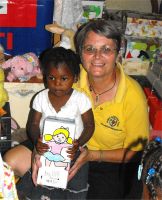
point(58, 142)
point(59, 134)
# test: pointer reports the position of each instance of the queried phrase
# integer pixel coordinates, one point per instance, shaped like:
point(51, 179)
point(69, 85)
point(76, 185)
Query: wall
point(134, 5)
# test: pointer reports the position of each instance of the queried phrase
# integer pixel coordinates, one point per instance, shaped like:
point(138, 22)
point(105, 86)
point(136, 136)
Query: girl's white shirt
point(77, 104)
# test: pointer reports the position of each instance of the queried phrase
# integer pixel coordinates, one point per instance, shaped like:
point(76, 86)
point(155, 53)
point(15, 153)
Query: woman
point(120, 112)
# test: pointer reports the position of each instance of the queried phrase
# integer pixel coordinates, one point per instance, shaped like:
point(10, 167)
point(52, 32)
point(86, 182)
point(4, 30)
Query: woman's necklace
point(99, 94)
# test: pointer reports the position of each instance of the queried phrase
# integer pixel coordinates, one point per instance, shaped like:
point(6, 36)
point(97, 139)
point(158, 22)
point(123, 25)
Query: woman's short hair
point(100, 26)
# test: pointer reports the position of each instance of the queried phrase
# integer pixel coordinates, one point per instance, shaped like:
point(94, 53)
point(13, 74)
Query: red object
point(9, 40)
point(155, 109)
point(129, 55)
point(2, 35)
point(20, 13)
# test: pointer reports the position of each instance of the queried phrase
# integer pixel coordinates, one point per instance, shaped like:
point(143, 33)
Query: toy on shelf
point(3, 93)
point(67, 16)
point(66, 35)
point(22, 67)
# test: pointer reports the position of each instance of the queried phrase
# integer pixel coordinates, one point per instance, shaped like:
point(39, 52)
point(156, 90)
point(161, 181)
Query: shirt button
point(101, 108)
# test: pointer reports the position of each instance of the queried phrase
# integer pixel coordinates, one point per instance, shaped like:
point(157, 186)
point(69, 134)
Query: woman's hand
point(36, 164)
point(81, 160)
point(41, 147)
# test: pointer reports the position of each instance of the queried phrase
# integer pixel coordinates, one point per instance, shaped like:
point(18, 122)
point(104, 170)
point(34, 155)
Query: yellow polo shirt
point(122, 122)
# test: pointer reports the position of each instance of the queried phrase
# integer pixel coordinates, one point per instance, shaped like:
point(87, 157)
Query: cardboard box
point(136, 67)
point(20, 96)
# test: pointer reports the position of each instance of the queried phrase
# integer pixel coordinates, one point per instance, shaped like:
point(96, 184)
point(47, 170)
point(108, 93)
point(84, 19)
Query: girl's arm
point(33, 131)
point(89, 127)
point(32, 127)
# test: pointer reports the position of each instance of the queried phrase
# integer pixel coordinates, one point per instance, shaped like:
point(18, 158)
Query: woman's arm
point(116, 156)
point(36, 164)
point(119, 155)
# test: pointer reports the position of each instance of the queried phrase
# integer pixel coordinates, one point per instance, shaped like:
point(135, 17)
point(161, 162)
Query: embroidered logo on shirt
point(113, 121)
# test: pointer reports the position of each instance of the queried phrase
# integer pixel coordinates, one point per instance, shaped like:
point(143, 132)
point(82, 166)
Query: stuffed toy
point(67, 35)
point(3, 93)
point(22, 67)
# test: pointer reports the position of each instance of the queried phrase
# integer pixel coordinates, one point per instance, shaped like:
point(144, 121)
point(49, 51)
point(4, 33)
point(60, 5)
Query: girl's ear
point(75, 79)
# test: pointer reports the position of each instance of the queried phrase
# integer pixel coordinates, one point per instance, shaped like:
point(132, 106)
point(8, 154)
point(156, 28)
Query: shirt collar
point(83, 84)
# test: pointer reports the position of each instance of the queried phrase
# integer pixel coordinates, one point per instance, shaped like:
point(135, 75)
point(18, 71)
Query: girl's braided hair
point(151, 163)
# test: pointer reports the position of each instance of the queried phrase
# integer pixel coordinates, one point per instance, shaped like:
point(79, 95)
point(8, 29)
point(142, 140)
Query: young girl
point(151, 170)
point(61, 69)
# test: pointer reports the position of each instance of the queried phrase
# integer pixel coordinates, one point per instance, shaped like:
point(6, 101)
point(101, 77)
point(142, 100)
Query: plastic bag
point(68, 13)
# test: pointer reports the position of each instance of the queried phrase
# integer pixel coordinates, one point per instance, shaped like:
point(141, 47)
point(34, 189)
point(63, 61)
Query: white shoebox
point(59, 134)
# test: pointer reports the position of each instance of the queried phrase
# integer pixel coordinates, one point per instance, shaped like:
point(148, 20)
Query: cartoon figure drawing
point(58, 142)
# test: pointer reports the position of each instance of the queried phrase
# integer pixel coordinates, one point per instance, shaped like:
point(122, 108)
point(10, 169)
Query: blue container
point(22, 29)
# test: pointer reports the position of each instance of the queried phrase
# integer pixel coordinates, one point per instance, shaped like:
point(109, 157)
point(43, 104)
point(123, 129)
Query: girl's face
point(60, 81)
point(59, 138)
point(99, 55)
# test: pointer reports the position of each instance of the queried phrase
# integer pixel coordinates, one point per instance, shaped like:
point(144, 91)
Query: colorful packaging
point(7, 182)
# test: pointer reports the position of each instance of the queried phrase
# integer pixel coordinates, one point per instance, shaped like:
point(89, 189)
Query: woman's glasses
point(104, 50)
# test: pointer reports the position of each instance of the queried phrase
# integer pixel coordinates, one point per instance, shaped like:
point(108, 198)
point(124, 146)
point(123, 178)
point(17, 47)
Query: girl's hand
point(41, 147)
point(81, 160)
point(71, 151)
